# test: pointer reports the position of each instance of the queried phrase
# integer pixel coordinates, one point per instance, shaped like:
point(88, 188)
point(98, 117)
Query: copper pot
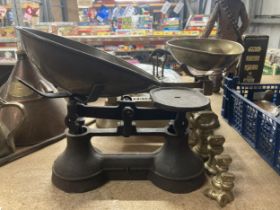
point(7, 143)
point(44, 117)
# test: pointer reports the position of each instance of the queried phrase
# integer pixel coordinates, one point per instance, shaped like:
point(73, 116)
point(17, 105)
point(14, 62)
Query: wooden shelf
point(6, 63)
point(109, 38)
point(123, 38)
point(100, 40)
point(8, 40)
point(271, 21)
point(135, 51)
point(96, 5)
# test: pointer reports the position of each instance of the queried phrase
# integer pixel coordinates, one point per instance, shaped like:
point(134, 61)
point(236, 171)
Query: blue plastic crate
point(259, 128)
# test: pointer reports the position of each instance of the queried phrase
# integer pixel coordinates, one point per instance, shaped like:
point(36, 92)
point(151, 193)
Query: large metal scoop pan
point(77, 68)
point(205, 54)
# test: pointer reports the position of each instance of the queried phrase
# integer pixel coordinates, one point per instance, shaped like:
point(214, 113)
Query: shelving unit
point(125, 4)
point(144, 40)
point(158, 5)
point(147, 40)
point(124, 38)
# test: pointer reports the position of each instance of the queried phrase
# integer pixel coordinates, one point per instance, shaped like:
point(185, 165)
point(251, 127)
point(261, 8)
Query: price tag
point(158, 33)
point(191, 33)
point(85, 3)
point(142, 32)
point(179, 33)
point(3, 11)
point(165, 7)
point(179, 6)
point(168, 33)
point(102, 34)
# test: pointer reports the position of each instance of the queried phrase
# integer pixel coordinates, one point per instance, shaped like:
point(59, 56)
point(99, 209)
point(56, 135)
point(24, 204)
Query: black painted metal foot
point(78, 168)
point(176, 168)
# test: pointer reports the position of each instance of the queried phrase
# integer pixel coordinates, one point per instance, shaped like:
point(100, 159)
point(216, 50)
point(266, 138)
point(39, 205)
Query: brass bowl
point(205, 54)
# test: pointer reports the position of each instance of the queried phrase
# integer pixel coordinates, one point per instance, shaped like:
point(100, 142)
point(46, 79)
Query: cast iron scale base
point(174, 167)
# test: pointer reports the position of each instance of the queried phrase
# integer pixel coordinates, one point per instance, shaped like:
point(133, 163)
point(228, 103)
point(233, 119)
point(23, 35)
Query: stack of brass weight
point(210, 148)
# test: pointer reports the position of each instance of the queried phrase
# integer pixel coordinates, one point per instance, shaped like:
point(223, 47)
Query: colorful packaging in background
point(124, 23)
point(84, 3)
point(171, 24)
point(65, 28)
point(7, 32)
point(129, 11)
point(135, 22)
point(8, 55)
point(84, 15)
point(85, 30)
point(94, 30)
point(3, 11)
point(144, 22)
point(72, 29)
point(272, 62)
point(104, 18)
point(45, 27)
point(6, 15)
point(9, 17)
point(103, 14)
point(197, 24)
point(197, 21)
point(87, 13)
point(31, 13)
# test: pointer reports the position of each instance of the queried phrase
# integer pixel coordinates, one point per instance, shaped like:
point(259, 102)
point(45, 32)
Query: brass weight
point(215, 147)
point(203, 124)
point(222, 184)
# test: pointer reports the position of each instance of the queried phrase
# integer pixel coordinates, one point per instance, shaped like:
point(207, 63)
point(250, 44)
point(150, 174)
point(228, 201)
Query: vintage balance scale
point(85, 74)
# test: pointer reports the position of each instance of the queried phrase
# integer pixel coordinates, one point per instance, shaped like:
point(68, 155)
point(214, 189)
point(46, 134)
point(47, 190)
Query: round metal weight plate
point(179, 99)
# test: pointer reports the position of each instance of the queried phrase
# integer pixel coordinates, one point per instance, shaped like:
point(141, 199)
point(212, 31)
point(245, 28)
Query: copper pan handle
point(20, 106)
point(48, 87)
point(64, 94)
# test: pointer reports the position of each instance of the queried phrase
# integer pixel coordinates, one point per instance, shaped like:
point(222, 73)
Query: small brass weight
point(209, 146)
point(203, 124)
point(215, 147)
point(221, 185)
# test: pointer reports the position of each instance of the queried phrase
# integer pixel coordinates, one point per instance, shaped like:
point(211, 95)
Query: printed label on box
point(253, 58)
point(253, 67)
point(179, 6)
point(254, 49)
point(165, 7)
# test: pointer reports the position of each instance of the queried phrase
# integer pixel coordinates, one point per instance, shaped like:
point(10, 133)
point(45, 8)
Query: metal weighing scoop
point(205, 54)
point(77, 67)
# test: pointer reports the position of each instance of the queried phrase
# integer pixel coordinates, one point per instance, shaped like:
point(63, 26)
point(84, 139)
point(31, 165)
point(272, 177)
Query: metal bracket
point(43, 94)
